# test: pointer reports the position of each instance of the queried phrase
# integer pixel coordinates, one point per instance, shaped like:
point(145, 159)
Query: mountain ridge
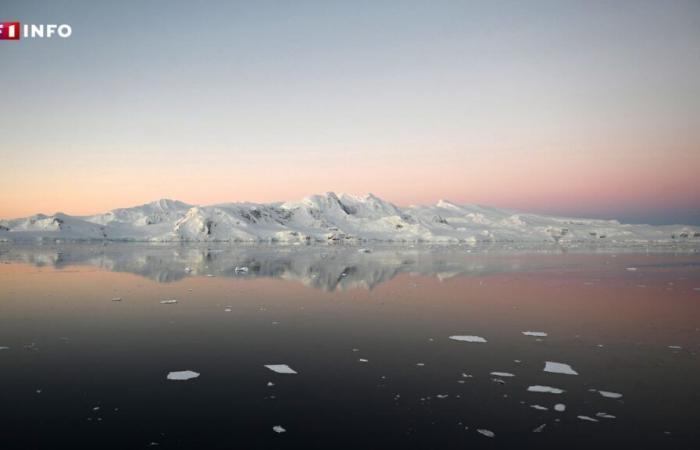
point(333, 218)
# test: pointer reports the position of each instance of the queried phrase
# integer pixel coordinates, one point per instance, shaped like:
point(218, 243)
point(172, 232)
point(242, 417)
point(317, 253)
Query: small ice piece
point(498, 380)
point(546, 389)
point(466, 375)
point(675, 347)
point(560, 407)
point(555, 367)
point(4, 348)
point(539, 407)
point(540, 428)
point(502, 374)
point(608, 394)
point(364, 250)
point(442, 396)
point(420, 364)
point(210, 275)
point(270, 384)
point(227, 310)
point(362, 360)
point(485, 432)
point(171, 301)
point(116, 299)
point(188, 269)
point(603, 415)
point(278, 429)
point(631, 269)
point(281, 368)
point(182, 375)
point(535, 333)
point(241, 269)
point(468, 338)
point(586, 418)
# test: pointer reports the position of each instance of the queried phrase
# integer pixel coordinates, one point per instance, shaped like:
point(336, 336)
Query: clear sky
point(584, 108)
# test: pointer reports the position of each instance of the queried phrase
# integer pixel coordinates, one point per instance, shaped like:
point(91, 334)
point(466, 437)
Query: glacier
point(333, 218)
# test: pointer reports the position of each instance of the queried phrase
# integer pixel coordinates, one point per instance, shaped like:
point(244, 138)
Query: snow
point(545, 389)
point(281, 368)
point(485, 432)
point(182, 375)
point(608, 394)
point(332, 217)
point(278, 429)
point(535, 333)
point(555, 367)
point(468, 339)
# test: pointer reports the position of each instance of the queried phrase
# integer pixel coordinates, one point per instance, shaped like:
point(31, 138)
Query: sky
point(577, 108)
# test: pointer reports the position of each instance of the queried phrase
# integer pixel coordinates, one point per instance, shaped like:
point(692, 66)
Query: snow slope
point(333, 218)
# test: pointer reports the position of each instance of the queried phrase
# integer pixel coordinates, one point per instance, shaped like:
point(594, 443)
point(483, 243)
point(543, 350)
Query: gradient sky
point(586, 108)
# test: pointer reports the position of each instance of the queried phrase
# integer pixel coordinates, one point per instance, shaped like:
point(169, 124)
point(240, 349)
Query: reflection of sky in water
point(618, 330)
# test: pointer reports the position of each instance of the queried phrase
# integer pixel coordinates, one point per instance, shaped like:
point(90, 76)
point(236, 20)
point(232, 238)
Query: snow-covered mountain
point(332, 218)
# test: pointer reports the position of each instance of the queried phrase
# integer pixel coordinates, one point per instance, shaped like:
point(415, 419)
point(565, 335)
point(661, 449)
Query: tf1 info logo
point(12, 31)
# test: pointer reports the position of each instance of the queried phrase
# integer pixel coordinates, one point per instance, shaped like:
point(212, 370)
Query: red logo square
point(9, 31)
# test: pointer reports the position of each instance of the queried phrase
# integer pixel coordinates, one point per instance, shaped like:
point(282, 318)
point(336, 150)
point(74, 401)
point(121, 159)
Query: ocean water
point(392, 347)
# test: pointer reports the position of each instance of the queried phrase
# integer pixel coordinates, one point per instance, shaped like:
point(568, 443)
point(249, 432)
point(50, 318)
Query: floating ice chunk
point(281, 368)
point(608, 394)
point(468, 338)
point(603, 415)
point(270, 384)
point(498, 380)
point(171, 301)
point(560, 407)
point(210, 275)
point(555, 367)
point(188, 269)
point(362, 360)
point(485, 432)
point(539, 407)
point(675, 347)
point(364, 250)
point(586, 418)
point(502, 374)
point(535, 333)
point(4, 348)
point(116, 299)
point(182, 375)
point(420, 364)
point(546, 389)
point(540, 428)
point(631, 269)
point(278, 429)
point(241, 269)
point(442, 396)
point(227, 310)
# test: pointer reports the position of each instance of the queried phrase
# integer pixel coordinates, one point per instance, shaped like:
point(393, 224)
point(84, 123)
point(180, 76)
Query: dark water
point(84, 371)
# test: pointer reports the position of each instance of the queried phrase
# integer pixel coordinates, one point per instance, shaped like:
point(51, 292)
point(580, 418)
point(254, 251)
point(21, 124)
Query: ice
point(608, 394)
point(270, 384)
point(281, 368)
point(278, 429)
point(4, 348)
point(555, 367)
point(540, 428)
point(362, 360)
point(586, 418)
point(468, 338)
point(227, 310)
point(168, 302)
point(603, 415)
point(539, 407)
point(535, 333)
point(502, 374)
point(116, 299)
point(545, 389)
point(560, 407)
point(675, 347)
point(442, 396)
point(631, 269)
point(485, 432)
point(420, 364)
point(241, 269)
point(182, 375)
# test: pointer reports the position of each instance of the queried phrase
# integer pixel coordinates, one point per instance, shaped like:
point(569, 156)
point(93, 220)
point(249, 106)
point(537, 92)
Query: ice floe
point(278, 429)
point(116, 299)
point(539, 407)
point(675, 347)
point(182, 375)
point(540, 428)
point(560, 407)
point(502, 374)
point(442, 396)
point(468, 338)
point(556, 367)
point(485, 432)
point(605, 415)
point(281, 368)
point(631, 269)
point(546, 389)
point(535, 333)
point(362, 360)
point(171, 301)
point(608, 394)
point(4, 348)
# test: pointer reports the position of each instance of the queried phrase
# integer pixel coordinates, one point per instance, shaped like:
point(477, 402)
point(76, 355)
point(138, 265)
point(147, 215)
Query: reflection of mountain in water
point(322, 267)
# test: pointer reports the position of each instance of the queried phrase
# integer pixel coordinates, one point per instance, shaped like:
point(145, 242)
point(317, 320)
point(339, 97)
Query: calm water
point(81, 370)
